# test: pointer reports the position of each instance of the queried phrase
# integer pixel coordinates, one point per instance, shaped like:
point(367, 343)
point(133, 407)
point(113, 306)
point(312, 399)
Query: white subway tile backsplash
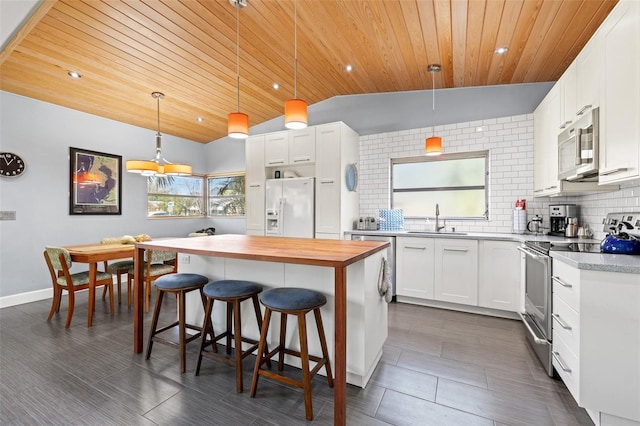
point(510, 142)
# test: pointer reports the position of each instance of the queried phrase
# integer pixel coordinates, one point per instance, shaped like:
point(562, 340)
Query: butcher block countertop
point(305, 251)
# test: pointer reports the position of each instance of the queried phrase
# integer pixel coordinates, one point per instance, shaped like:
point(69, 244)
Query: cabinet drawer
point(566, 284)
point(568, 367)
point(566, 324)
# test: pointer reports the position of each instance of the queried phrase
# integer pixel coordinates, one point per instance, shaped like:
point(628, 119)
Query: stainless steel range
point(538, 293)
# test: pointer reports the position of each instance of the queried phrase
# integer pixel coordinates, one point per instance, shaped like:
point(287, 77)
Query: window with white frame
point(175, 196)
point(226, 194)
point(457, 183)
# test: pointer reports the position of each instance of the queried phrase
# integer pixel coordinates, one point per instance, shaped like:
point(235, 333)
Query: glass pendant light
point(295, 110)
point(238, 122)
point(157, 166)
point(433, 145)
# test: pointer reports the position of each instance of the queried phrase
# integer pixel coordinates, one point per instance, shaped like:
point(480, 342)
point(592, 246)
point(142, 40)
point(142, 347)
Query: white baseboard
point(31, 296)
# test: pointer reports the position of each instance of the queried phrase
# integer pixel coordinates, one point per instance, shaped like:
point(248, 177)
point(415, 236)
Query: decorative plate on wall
point(351, 177)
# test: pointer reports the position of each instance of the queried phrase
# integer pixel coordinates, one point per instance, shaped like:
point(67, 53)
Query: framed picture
point(95, 184)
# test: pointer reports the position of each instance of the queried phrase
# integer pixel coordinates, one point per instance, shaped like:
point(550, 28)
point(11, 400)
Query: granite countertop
point(600, 261)
point(589, 261)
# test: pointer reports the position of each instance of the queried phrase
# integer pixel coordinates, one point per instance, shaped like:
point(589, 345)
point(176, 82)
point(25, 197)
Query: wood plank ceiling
point(126, 49)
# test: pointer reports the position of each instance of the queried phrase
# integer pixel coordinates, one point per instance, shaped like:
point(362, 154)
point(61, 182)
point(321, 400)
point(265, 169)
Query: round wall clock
point(11, 165)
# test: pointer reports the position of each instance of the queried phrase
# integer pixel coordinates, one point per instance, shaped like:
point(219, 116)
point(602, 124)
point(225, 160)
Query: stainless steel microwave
point(578, 149)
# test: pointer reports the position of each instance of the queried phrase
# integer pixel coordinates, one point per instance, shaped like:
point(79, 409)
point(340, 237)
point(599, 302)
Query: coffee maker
point(559, 214)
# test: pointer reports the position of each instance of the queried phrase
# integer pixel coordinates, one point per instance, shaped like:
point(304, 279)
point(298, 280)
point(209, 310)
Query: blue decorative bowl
point(612, 244)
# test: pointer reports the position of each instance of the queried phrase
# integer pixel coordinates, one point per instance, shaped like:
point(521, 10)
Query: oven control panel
point(630, 222)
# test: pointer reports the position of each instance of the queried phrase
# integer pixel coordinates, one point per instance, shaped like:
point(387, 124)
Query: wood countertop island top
point(336, 254)
point(307, 251)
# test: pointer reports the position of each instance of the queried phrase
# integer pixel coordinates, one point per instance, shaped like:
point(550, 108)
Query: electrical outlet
point(185, 259)
point(7, 215)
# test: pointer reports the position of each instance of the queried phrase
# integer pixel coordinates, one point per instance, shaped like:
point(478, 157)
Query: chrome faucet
point(438, 227)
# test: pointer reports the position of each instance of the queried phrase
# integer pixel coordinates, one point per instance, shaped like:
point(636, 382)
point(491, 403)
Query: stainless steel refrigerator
point(290, 207)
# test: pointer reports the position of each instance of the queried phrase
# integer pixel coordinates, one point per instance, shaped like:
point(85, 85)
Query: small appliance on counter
point(623, 233)
point(559, 215)
point(367, 224)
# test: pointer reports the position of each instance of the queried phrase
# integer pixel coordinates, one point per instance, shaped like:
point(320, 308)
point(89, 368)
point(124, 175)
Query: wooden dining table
point(93, 254)
point(336, 254)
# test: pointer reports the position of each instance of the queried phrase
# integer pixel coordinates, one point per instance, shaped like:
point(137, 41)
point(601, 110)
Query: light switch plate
point(7, 215)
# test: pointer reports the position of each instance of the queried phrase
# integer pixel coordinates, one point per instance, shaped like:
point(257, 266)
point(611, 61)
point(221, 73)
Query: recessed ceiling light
point(348, 68)
point(501, 50)
point(275, 86)
point(74, 74)
point(199, 119)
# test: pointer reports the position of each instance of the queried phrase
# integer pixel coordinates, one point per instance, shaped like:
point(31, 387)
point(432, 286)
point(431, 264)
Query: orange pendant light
point(433, 145)
point(238, 122)
point(295, 110)
point(157, 166)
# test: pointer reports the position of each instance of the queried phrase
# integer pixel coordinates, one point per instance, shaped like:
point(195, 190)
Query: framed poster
point(95, 184)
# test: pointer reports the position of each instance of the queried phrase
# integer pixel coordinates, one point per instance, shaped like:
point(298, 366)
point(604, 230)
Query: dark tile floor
point(439, 368)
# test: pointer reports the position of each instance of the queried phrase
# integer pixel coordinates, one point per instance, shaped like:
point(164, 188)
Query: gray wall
point(42, 134)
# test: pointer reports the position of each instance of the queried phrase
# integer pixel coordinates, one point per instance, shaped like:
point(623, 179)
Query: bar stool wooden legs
point(179, 284)
point(299, 302)
point(233, 292)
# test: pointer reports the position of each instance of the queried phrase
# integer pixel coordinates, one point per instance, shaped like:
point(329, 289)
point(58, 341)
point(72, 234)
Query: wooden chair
point(118, 269)
point(59, 262)
point(156, 264)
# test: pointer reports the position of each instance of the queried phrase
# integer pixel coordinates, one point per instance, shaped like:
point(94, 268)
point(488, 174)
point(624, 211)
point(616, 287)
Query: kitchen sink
point(436, 233)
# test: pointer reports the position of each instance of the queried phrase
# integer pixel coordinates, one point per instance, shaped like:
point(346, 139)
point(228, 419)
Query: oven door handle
point(536, 338)
point(532, 254)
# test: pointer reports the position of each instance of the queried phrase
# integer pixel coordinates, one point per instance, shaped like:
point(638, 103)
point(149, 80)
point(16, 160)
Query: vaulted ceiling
point(186, 49)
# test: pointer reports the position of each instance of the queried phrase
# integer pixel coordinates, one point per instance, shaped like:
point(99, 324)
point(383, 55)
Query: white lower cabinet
point(414, 267)
point(596, 341)
point(483, 273)
point(456, 271)
point(499, 275)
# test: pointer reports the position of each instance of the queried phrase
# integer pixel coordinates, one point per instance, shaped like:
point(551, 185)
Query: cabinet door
point(254, 183)
point(414, 267)
point(589, 70)
point(567, 97)
point(328, 179)
point(499, 267)
point(276, 149)
point(456, 271)
point(302, 146)
point(540, 160)
point(620, 112)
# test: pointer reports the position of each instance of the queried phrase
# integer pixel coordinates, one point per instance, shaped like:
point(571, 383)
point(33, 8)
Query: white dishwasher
point(391, 254)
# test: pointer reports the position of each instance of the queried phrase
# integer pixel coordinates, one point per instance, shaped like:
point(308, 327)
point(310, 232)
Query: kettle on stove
point(535, 224)
point(619, 242)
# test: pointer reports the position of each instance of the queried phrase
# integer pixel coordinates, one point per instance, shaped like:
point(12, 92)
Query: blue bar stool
point(298, 302)
point(179, 284)
point(233, 292)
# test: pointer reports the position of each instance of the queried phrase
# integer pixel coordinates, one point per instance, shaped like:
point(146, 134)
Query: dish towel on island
point(384, 281)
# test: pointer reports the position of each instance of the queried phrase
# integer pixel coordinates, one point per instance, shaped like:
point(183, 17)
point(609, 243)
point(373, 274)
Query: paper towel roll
point(519, 221)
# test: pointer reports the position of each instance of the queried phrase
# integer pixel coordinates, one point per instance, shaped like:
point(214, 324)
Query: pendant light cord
point(238, 52)
point(433, 91)
point(295, 49)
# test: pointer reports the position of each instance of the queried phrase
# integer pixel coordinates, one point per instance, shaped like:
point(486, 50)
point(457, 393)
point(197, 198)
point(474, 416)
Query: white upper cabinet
point(620, 112)
point(589, 71)
point(302, 146)
point(567, 97)
point(254, 183)
point(276, 148)
point(290, 147)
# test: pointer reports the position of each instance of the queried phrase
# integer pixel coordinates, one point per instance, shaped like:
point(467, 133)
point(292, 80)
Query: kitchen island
point(346, 271)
